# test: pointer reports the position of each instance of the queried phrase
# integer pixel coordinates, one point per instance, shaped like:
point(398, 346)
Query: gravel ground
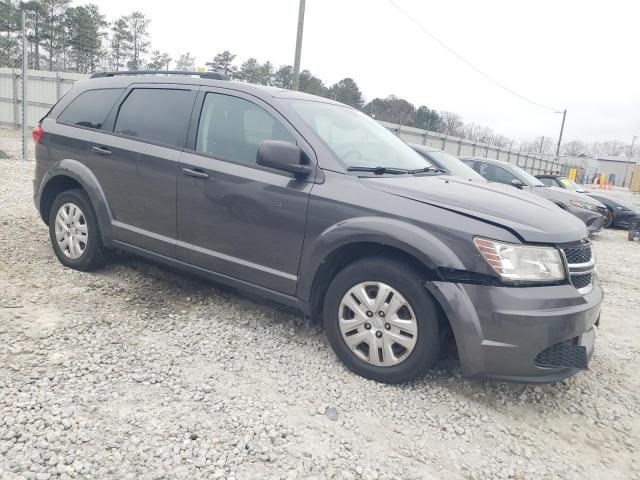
point(136, 371)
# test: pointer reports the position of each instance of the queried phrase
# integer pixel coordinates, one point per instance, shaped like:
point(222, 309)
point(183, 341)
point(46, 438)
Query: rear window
point(156, 114)
point(90, 108)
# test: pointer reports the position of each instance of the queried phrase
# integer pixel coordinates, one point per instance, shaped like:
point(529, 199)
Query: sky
point(580, 55)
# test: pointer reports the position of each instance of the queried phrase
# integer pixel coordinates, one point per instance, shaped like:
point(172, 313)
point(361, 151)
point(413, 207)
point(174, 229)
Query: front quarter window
point(357, 140)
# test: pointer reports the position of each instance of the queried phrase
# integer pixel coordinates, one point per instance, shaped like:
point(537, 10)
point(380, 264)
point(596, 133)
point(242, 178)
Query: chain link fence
point(534, 163)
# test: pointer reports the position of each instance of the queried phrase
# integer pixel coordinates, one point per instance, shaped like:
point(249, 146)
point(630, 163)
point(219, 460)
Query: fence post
point(15, 98)
point(25, 79)
point(459, 147)
point(444, 142)
point(509, 155)
point(58, 81)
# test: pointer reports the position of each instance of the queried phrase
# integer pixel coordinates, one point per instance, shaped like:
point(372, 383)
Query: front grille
point(580, 263)
point(563, 355)
point(581, 254)
point(581, 281)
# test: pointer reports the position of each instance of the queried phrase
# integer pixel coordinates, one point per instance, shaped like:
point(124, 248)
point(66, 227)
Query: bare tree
point(451, 123)
point(613, 147)
point(574, 148)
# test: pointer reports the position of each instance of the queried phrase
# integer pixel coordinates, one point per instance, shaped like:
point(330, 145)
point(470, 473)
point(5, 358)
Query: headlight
point(586, 206)
point(522, 262)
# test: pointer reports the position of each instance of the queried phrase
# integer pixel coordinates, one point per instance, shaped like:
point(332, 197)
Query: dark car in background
point(356, 230)
point(447, 163)
point(619, 214)
point(590, 211)
point(561, 181)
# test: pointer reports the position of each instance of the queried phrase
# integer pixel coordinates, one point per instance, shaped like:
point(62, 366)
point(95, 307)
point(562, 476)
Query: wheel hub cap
point(392, 327)
point(71, 231)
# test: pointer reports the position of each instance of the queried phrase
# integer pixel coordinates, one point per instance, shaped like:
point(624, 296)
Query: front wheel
point(381, 321)
point(609, 218)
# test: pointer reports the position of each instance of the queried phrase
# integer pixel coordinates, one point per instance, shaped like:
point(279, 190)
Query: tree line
point(80, 39)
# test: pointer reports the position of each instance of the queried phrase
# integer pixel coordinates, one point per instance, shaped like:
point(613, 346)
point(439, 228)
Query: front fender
point(409, 238)
point(77, 171)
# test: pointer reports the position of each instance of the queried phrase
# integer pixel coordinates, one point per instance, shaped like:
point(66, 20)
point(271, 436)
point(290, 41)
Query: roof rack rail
point(210, 75)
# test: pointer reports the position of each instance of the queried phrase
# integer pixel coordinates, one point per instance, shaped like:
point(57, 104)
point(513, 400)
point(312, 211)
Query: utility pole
point(296, 60)
point(24, 86)
point(564, 115)
point(626, 168)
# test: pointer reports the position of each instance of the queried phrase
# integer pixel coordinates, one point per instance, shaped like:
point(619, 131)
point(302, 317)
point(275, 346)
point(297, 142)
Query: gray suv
point(313, 204)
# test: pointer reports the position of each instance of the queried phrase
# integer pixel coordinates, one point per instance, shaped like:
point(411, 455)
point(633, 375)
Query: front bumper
point(593, 220)
point(625, 219)
point(500, 331)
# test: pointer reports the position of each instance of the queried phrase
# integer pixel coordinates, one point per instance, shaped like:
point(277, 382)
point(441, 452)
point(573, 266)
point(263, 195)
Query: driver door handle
point(195, 172)
point(101, 150)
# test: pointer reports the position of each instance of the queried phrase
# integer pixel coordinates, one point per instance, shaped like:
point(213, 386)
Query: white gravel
point(140, 372)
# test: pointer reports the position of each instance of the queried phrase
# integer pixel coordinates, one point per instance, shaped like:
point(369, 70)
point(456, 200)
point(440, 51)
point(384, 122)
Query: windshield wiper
point(428, 169)
point(379, 170)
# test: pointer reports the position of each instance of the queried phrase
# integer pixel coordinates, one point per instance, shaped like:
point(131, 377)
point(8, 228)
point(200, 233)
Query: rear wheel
point(74, 232)
point(381, 321)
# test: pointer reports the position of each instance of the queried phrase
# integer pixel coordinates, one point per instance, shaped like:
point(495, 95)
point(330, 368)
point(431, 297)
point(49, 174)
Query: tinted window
point(493, 173)
point(232, 128)
point(90, 109)
point(159, 115)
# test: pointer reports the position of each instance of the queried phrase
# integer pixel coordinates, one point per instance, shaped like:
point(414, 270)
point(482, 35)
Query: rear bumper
point(501, 331)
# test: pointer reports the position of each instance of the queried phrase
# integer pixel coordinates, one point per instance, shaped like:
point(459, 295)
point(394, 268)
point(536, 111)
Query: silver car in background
point(590, 211)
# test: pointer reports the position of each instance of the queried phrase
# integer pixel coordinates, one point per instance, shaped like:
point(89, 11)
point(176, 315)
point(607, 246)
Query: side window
point(90, 108)
point(494, 173)
point(232, 128)
point(156, 114)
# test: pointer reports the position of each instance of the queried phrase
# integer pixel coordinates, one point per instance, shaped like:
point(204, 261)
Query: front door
point(235, 217)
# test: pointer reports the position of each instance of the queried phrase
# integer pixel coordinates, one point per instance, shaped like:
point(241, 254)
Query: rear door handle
point(195, 172)
point(101, 150)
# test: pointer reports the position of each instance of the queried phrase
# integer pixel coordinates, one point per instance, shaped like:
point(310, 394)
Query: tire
point(402, 364)
point(609, 220)
point(81, 230)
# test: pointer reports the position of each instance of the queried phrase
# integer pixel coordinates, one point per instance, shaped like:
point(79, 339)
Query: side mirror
point(516, 182)
point(283, 156)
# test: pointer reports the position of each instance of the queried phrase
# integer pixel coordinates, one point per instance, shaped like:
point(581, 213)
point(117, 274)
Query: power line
point(466, 62)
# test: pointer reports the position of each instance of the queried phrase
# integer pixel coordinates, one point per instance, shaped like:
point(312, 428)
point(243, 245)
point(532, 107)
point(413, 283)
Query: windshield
point(454, 166)
point(569, 184)
point(526, 176)
point(356, 139)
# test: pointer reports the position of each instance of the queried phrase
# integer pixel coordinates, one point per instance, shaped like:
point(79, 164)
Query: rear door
point(136, 161)
point(235, 217)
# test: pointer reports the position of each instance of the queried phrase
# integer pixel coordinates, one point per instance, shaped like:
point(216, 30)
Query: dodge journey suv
point(313, 204)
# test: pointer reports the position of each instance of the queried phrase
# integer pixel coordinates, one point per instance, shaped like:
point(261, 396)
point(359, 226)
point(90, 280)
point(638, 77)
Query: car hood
point(531, 218)
point(556, 194)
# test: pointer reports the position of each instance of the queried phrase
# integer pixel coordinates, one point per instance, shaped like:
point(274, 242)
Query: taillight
point(37, 133)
